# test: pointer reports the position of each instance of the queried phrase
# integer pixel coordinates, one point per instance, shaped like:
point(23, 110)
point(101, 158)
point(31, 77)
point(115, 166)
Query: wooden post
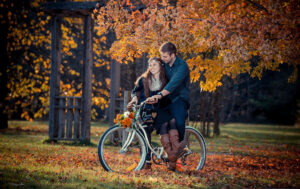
point(62, 120)
point(126, 100)
point(112, 97)
point(115, 69)
point(77, 117)
point(54, 76)
point(87, 79)
point(70, 117)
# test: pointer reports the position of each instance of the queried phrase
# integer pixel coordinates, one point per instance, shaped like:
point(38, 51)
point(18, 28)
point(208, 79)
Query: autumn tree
point(236, 30)
point(217, 38)
point(15, 40)
point(25, 74)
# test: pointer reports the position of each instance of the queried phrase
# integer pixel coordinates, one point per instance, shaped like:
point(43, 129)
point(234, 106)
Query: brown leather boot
point(165, 141)
point(177, 147)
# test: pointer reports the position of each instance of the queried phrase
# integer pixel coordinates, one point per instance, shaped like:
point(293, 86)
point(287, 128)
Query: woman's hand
point(133, 101)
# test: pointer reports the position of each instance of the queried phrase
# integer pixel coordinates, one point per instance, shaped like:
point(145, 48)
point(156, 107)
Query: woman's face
point(154, 67)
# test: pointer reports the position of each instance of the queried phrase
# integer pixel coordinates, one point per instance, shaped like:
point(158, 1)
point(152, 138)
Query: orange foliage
point(217, 38)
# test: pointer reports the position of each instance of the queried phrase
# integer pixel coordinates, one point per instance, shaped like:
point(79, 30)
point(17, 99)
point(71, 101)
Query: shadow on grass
point(70, 143)
point(23, 178)
point(21, 131)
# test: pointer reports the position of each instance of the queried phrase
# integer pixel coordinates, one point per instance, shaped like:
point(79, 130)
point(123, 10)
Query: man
point(178, 91)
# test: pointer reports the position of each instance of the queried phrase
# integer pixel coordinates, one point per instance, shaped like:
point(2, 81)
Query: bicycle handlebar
point(135, 106)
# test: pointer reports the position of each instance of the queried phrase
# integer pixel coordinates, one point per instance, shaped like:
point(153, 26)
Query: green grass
point(244, 156)
point(256, 140)
point(279, 134)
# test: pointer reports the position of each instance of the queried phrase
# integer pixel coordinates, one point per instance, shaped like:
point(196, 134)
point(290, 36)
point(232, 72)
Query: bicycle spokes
point(121, 150)
point(194, 154)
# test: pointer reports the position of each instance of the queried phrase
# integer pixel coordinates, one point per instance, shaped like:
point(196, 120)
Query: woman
point(148, 84)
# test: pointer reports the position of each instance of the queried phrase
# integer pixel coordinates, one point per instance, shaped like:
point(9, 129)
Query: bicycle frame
point(132, 132)
point(136, 137)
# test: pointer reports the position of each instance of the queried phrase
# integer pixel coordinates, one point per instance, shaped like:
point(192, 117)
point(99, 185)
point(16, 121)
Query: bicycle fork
point(128, 141)
point(158, 151)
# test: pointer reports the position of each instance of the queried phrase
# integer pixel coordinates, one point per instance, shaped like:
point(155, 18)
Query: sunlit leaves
point(29, 53)
point(237, 30)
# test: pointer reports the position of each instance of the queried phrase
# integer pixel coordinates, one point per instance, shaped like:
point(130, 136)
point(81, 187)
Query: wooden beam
point(76, 9)
point(73, 6)
point(70, 8)
point(54, 75)
point(87, 79)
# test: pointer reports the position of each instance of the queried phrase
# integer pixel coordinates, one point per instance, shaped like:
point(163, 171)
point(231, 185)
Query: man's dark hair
point(168, 47)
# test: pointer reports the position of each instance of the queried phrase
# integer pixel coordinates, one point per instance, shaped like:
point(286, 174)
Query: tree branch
point(260, 7)
point(226, 6)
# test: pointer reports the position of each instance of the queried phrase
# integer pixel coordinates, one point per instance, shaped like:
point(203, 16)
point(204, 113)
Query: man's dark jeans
point(179, 110)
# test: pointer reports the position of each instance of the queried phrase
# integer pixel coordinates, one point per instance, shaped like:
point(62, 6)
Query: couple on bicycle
point(165, 87)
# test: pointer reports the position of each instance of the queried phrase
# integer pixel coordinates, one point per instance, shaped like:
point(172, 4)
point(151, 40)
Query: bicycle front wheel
point(122, 150)
point(194, 156)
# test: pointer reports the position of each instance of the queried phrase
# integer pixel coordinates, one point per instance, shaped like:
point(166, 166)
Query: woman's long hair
point(147, 76)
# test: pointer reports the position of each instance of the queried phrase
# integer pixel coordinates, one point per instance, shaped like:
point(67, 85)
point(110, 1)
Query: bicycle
point(123, 150)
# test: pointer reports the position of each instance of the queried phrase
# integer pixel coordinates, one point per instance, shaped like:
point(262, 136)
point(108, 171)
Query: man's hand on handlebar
point(151, 100)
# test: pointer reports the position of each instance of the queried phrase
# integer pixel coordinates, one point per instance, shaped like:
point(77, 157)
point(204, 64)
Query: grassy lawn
point(244, 156)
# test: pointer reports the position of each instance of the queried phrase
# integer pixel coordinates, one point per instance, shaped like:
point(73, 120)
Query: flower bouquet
point(125, 120)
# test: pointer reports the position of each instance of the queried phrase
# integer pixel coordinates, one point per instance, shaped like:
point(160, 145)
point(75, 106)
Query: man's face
point(166, 57)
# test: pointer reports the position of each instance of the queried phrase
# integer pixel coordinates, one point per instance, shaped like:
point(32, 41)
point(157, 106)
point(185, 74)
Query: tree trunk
point(216, 112)
point(233, 101)
point(204, 112)
point(207, 128)
point(203, 127)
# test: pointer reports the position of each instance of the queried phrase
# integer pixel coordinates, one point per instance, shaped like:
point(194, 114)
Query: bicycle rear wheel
point(111, 155)
point(195, 154)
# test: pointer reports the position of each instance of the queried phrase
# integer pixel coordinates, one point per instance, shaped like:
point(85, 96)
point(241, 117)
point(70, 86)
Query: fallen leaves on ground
point(261, 166)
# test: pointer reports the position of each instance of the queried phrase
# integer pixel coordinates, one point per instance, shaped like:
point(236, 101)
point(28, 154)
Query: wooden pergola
point(78, 108)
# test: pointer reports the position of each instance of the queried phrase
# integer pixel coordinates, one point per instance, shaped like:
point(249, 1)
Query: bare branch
point(226, 6)
point(260, 7)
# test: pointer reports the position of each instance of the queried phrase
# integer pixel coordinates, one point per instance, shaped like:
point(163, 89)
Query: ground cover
point(244, 156)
